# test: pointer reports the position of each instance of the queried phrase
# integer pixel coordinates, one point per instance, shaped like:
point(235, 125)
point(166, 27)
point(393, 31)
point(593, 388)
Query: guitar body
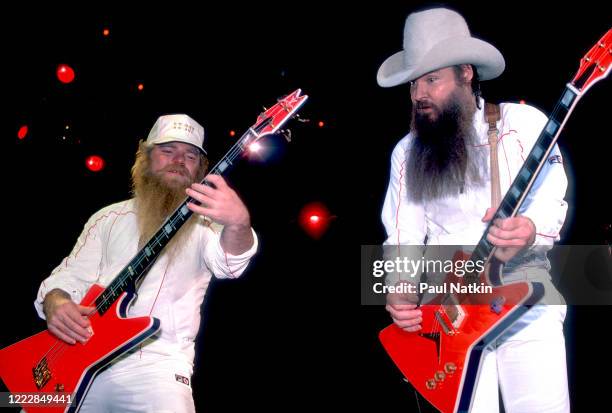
point(72, 367)
point(442, 360)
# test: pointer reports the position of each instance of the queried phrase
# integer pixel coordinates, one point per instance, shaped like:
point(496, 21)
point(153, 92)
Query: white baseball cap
point(177, 128)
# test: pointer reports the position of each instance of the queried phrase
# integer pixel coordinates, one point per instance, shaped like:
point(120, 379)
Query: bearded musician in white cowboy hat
point(440, 193)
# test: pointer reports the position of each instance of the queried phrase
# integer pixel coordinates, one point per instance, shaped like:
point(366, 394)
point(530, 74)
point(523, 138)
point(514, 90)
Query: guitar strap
point(492, 115)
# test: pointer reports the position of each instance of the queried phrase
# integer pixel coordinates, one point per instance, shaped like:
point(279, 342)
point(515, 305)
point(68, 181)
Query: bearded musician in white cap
point(439, 193)
point(217, 240)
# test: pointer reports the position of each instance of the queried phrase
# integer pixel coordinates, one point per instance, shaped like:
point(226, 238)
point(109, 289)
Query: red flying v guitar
point(45, 365)
point(442, 360)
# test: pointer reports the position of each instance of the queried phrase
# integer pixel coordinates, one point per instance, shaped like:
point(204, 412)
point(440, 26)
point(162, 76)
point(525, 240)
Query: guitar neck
point(528, 173)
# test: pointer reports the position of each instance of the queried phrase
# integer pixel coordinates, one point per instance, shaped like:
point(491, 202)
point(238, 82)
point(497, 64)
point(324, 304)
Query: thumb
point(84, 310)
point(488, 215)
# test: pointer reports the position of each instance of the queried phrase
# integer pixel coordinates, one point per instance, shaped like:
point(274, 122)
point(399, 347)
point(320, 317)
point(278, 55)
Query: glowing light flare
point(95, 163)
point(105, 32)
point(232, 133)
point(254, 147)
point(315, 219)
point(522, 101)
point(321, 124)
point(65, 74)
point(140, 87)
point(22, 132)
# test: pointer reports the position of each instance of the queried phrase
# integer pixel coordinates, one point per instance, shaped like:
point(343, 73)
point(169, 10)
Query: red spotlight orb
point(65, 74)
point(94, 163)
point(105, 32)
point(314, 219)
point(22, 132)
point(321, 124)
point(140, 86)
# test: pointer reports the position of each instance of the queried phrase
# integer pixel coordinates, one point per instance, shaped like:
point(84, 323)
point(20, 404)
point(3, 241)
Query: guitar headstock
point(273, 118)
point(595, 65)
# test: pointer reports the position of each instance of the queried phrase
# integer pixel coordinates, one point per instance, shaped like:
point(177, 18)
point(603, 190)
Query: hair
point(475, 83)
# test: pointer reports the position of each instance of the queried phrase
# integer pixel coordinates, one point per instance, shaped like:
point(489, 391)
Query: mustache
point(420, 104)
point(177, 168)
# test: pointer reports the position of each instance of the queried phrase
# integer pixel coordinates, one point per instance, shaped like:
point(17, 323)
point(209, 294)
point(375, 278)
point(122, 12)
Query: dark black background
point(292, 327)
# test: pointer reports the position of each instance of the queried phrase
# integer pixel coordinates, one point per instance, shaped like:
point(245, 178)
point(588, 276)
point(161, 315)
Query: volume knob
point(450, 367)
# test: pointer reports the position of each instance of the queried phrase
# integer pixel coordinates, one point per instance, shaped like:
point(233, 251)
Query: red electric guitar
point(442, 360)
point(45, 365)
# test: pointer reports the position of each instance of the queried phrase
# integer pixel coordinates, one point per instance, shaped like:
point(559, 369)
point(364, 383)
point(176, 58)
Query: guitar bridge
point(42, 374)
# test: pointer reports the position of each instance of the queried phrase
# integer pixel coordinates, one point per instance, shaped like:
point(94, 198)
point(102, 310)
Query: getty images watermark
point(569, 274)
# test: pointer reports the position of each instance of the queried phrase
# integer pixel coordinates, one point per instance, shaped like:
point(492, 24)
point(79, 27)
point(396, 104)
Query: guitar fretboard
point(526, 176)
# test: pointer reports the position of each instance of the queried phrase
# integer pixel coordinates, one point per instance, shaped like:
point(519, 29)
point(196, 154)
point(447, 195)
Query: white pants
point(142, 385)
point(528, 361)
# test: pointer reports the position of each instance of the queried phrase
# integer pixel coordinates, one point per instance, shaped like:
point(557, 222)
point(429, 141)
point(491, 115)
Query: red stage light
point(321, 124)
point(105, 32)
point(94, 163)
point(65, 74)
point(140, 86)
point(314, 219)
point(22, 132)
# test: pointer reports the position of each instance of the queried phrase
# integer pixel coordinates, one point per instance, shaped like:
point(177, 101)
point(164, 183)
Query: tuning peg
point(287, 134)
point(300, 119)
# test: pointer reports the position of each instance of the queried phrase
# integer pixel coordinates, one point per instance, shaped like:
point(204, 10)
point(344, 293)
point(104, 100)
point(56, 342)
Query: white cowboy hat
point(434, 39)
point(177, 128)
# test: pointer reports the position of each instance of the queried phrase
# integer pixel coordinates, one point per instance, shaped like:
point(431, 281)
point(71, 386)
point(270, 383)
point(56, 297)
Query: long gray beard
point(443, 158)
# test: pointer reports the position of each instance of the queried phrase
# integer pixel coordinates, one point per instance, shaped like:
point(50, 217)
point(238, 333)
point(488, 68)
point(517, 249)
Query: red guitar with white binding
point(442, 360)
point(46, 366)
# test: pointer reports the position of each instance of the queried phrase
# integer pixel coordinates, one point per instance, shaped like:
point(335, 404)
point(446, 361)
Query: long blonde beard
point(155, 200)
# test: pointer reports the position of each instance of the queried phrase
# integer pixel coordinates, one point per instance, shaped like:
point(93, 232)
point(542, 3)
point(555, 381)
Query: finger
point(414, 322)
point(405, 315)
point(204, 189)
point(61, 328)
point(505, 234)
point(86, 312)
point(502, 242)
point(508, 224)
point(73, 323)
point(488, 214)
point(400, 307)
point(199, 196)
point(203, 210)
point(59, 334)
point(216, 180)
point(412, 329)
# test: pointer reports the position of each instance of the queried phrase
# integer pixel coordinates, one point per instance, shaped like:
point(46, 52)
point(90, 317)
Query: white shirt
point(172, 291)
point(457, 220)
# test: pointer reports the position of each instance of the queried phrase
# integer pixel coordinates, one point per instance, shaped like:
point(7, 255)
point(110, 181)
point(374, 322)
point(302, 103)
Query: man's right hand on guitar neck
point(67, 320)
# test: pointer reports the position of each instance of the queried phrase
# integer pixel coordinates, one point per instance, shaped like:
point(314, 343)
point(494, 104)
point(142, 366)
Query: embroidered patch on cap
point(555, 159)
point(182, 379)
